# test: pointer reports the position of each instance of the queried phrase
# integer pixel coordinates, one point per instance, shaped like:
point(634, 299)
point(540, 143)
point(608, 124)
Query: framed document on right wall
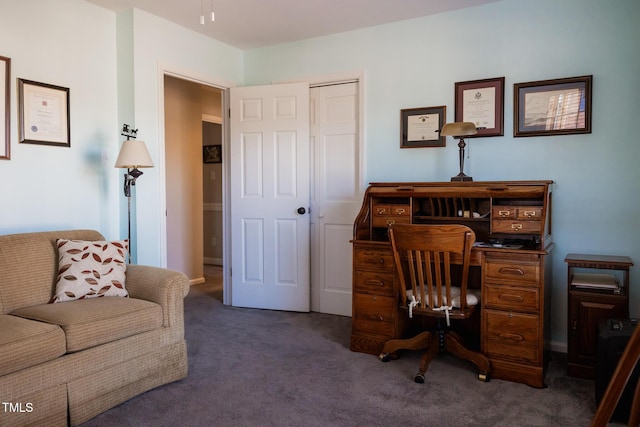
point(552, 107)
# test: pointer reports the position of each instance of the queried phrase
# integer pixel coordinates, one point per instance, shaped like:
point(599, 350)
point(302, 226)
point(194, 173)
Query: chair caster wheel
point(419, 378)
point(483, 377)
point(384, 357)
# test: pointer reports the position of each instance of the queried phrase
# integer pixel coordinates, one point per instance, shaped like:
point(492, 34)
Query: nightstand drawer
point(373, 314)
point(512, 335)
point(511, 297)
point(374, 259)
point(522, 272)
point(374, 282)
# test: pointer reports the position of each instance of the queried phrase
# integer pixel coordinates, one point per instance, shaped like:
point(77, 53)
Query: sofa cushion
point(90, 269)
point(25, 343)
point(29, 265)
point(91, 322)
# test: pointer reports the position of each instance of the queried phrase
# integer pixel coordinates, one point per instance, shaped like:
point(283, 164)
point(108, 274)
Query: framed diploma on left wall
point(482, 103)
point(43, 114)
point(420, 127)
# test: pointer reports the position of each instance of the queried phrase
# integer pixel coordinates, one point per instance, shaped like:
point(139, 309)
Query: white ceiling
point(248, 24)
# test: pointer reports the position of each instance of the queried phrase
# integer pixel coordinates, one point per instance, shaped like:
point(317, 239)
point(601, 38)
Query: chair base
point(433, 342)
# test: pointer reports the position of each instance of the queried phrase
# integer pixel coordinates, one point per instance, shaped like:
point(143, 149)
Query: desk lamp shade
point(459, 130)
point(133, 155)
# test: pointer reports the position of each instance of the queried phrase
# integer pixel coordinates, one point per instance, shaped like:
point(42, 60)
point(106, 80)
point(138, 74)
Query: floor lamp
point(133, 155)
point(459, 130)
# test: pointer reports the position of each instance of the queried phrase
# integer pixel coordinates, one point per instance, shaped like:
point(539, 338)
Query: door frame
point(224, 86)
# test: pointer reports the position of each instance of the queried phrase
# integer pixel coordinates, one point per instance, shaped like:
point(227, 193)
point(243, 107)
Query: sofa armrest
point(162, 286)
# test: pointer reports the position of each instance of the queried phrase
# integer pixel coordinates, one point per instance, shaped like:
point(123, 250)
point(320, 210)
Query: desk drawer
point(375, 259)
point(511, 297)
point(385, 221)
point(533, 213)
point(385, 215)
point(524, 272)
point(374, 282)
point(391, 210)
point(516, 226)
point(373, 314)
point(511, 335)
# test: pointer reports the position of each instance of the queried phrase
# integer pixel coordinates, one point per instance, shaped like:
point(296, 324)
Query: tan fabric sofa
point(65, 363)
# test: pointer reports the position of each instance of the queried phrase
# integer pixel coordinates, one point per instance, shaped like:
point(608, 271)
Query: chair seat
point(473, 297)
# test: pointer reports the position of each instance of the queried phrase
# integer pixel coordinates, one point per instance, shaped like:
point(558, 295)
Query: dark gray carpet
point(268, 368)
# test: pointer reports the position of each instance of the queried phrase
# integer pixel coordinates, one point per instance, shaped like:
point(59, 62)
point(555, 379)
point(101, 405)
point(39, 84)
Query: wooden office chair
point(621, 375)
point(424, 257)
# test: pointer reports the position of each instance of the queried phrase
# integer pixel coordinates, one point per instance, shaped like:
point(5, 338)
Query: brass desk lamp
point(458, 130)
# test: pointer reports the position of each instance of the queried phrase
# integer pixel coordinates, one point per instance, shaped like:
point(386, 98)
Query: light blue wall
point(49, 188)
point(415, 63)
point(157, 47)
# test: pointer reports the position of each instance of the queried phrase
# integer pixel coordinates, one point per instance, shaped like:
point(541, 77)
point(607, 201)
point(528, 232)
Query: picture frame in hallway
point(420, 127)
point(43, 114)
point(212, 153)
point(552, 107)
point(5, 108)
point(482, 103)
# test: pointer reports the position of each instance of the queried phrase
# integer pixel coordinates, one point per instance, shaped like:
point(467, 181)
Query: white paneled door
point(269, 171)
point(336, 194)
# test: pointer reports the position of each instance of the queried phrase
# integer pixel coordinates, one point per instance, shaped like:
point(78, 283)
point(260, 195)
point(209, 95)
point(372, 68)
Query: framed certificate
point(552, 107)
point(482, 103)
point(43, 114)
point(5, 123)
point(420, 127)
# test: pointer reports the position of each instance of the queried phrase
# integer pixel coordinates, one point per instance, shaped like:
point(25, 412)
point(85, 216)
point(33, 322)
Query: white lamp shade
point(133, 154)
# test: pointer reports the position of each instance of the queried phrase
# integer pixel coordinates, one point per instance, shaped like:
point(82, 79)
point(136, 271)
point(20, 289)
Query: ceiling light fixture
point(213, 14)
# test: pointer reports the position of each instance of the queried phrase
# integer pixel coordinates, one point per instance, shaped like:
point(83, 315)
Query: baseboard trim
point(198, 281)
point(558, 347)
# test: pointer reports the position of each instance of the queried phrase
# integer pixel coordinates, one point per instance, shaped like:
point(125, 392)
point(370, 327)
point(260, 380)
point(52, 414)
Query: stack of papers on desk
point(594, 281)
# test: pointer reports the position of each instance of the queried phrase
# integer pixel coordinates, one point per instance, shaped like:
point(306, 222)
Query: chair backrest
point(425, 256)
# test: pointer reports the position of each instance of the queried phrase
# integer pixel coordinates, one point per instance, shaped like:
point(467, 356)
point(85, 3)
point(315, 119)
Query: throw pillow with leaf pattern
point(90, 269)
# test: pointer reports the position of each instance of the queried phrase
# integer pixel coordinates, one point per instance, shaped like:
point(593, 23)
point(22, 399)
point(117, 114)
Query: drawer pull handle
point(512, 337)
point(375, 282)
point(390, 221)
point(381, 211)
point(511, 297)
point(512, 270)
point(503, 214)
point(516, 227)
point(399, 211)
point(529, 214)
point(374, 317)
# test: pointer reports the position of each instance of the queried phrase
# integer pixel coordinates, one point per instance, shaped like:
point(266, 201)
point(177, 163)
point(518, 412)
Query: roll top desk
point(512, 222)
